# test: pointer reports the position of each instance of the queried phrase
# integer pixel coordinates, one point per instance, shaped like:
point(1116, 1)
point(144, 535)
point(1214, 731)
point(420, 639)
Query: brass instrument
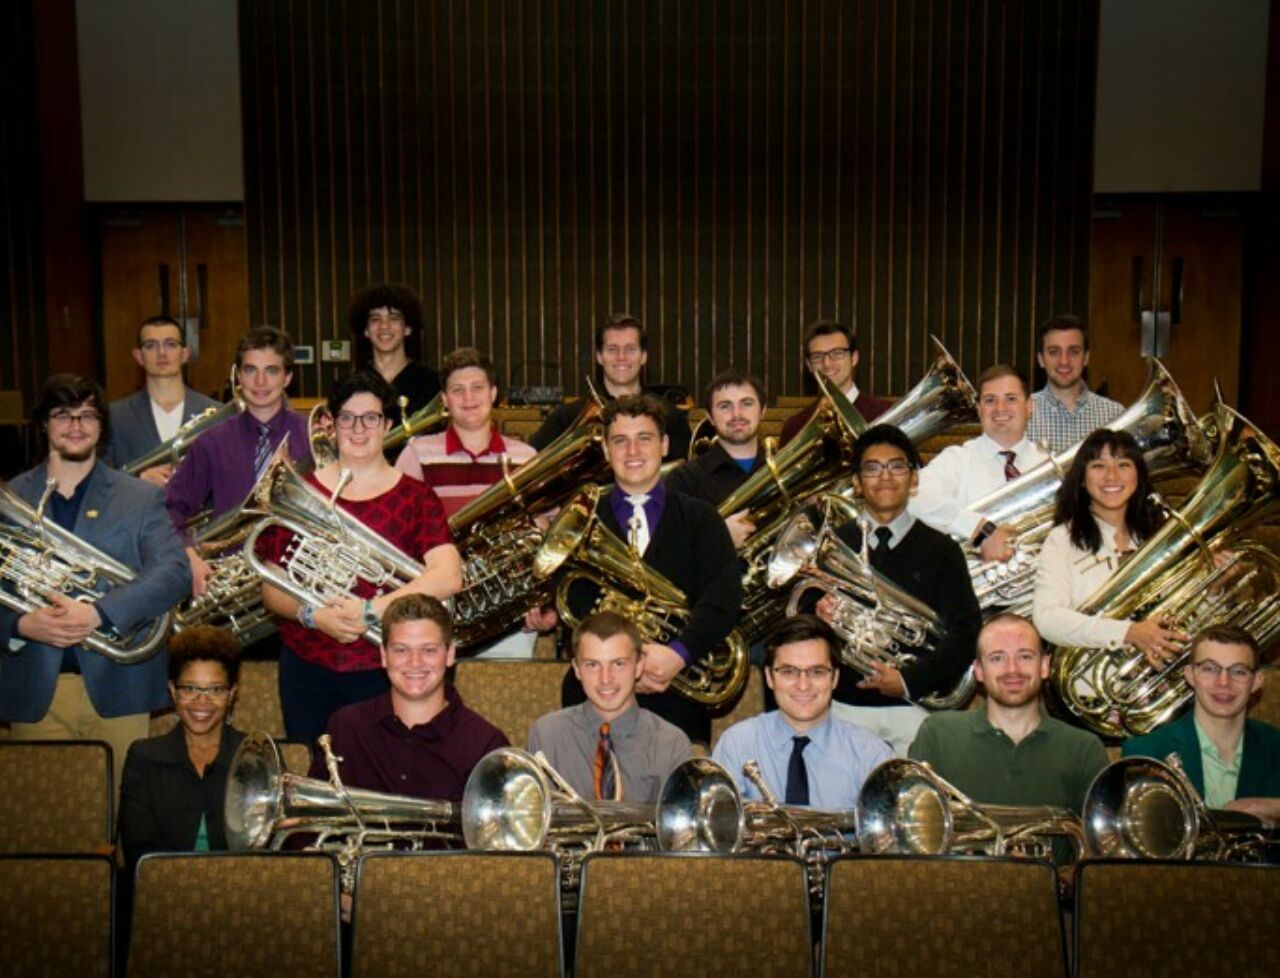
point(1140, 808)
point(171, 451)
point(579, 542)
point(878, 622)
point(906, 807)
point(1205, 566)
point(37, 557)
point(1172, 442)
point(497, 535)
point(330, 551)
point(324, 442)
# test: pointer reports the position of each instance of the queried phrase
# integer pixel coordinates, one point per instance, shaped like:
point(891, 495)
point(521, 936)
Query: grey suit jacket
point(125, 518)
point(133, 426)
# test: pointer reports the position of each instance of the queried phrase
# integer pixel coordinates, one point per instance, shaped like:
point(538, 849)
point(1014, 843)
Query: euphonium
point(905, 807)
point(37, 557)
point(1205, 566)
point(587, 551)
point(1172, 442)
point(878, 622)
point(330, 551)
point(171, 451)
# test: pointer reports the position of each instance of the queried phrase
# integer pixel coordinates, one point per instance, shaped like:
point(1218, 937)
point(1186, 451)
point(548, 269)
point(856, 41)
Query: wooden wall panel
point(726, 172)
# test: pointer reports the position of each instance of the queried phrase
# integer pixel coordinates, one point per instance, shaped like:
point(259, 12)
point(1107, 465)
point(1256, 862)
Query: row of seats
point(640, 914)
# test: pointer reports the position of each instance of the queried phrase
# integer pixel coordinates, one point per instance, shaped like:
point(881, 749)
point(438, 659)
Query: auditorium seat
point(666, 914)
point(1147, 917)
point(257, 705)
point(494, 914)
point(749, 704)
point(510, 694)
point(56, 915)
point(927, 916)
point(57, 796)
point(235, 915)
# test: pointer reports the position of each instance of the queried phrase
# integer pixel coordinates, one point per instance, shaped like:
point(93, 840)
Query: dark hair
point(417, 607)
point(365, 382)
point(266, 338)
point(1141, 517)
point(732, 377)
point(72, 390)
point(801, 628)
point(1226, 635)
point(884, 434)
point(385, 296)
point(621, 320)
point(1061, 322)
point(605, 625)
point(464, 357)
point(826, 327)
point(635, 406)
point(160, 321)
point(998, 370)
point(1005, 618)
point(204, 643)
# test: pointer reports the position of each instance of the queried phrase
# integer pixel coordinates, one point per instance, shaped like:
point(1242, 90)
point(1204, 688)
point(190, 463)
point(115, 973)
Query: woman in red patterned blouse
point(325, 662)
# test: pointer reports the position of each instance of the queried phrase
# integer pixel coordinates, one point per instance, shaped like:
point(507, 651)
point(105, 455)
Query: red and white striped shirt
point(453, 471)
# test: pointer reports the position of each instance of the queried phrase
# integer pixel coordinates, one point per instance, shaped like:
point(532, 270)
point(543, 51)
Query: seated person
point(1233, 761)
point(608, 747)
point(807, 755)
point(171, 799)
point(417, 738)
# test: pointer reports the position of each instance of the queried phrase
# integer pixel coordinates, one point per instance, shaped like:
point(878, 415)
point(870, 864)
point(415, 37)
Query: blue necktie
point(797, 773)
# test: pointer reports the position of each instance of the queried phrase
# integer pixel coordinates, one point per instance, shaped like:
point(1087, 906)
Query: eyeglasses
point(85, 419)
point(169, 346)
point(895, 467)
point(838, 355)
point(792, 673)
point(1210, 670)
point(186, 692)
point(370, 419)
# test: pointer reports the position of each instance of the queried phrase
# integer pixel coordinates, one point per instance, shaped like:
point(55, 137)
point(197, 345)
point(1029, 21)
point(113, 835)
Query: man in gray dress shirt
point(608, 747)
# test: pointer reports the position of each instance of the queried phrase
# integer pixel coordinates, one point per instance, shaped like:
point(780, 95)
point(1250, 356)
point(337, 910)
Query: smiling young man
point(831, 349)
point(1065, 409)
point(608, 747)
point(807, 755)
point(386, 324)
point(1233, 761)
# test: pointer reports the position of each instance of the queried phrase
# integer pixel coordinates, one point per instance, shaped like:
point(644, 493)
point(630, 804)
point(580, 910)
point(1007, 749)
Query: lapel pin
point(91, 514)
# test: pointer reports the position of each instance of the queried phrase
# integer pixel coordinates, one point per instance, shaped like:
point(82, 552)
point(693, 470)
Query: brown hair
point(1227, 635)
point(605, 625)
point(998, 370)
point(266, 338)
point(417, 607)
point(635, 406)
point(467, 356)
point(801, 628)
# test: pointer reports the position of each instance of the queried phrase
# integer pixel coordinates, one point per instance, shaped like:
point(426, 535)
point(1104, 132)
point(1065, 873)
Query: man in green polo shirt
point(1011, 752)
point(1233, 761)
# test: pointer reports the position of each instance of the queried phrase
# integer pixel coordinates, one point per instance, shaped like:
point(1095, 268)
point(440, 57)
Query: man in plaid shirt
point(1065, 409)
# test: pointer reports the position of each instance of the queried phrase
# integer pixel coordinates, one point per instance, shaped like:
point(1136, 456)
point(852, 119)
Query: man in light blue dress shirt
point(806, 756)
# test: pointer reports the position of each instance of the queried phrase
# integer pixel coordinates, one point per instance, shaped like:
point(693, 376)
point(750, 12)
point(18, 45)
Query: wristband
point(984, 531)
point(307, 616)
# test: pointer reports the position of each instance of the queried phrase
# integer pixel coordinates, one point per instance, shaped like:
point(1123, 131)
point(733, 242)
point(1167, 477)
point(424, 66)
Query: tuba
point(1172, 442)
point(876, 620)
point(171, 451)
point(37, 556)
point(905, 807)
point(579, 543)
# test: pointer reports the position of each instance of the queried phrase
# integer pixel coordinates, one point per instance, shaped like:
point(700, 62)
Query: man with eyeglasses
point(153, 415)
point(924, 563)
point(831, 349)
point(1233, 761)
point(51, 686)
point(808, 756)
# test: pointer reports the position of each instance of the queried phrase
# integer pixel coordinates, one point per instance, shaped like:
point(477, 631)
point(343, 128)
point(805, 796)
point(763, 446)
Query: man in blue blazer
point(153, 415)
point(1234, 762)
point(51, 686)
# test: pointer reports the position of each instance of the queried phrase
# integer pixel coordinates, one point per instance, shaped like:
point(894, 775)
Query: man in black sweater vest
point(680, 537)
point(926, 564)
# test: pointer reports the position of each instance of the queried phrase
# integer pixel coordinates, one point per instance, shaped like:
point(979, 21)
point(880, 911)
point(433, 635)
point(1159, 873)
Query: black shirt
point(713, 476)
point(418, 382)
point(563, 416)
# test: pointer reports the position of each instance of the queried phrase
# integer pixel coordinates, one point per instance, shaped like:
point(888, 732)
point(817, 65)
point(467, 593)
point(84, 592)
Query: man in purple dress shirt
point(223, 463)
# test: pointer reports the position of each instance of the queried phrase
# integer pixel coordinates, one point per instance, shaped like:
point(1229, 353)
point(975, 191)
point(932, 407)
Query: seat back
point(57, 796)
point(56, 915)
point(257, 705)
point(510, 694)
point(749, 704)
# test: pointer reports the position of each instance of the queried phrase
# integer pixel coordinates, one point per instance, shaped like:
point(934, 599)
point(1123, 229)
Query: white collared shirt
point(961, 475)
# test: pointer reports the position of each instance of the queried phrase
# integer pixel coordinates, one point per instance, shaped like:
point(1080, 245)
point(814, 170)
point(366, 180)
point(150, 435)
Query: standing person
point(608, 747)
point(960, 475)
point(469, 456)
point(1065, 409)
point(386, 323)
point(831, 349)
point(622, 350)
point(224, 463)
point(325, 662)
point(807, 755)
point(51, 686)
point(735, 405)
point(147, 419)
point(681, 538)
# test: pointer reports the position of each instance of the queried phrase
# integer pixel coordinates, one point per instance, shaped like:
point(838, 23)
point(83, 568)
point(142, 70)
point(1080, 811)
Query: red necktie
point(1010, 470)
point(605, 768)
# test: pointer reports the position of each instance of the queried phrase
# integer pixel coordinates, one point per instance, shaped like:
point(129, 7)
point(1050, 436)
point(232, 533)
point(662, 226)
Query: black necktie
point(797, 773)
point(883, 536)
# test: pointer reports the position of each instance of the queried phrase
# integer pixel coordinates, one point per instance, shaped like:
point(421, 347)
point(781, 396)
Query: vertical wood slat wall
point(728, 172)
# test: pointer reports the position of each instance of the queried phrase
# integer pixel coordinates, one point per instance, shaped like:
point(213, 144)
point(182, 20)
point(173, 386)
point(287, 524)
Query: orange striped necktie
point(608, 784)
